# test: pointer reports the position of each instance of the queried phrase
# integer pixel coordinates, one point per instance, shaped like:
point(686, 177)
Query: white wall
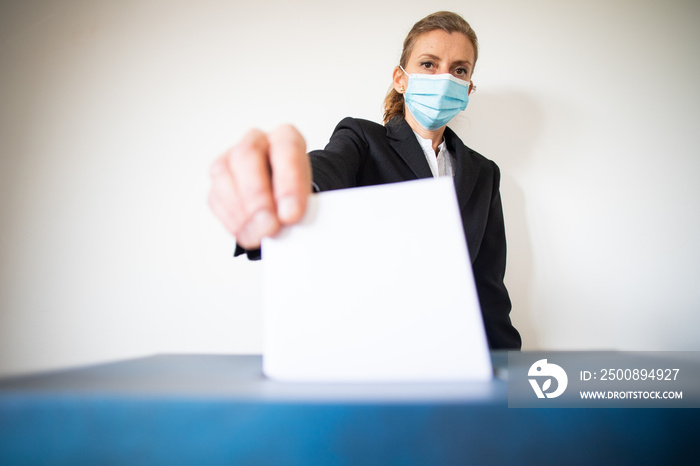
point(110, 113)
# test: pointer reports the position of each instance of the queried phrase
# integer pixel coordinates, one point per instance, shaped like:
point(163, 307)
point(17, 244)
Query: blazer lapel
point(404, 142)
point(466, 168)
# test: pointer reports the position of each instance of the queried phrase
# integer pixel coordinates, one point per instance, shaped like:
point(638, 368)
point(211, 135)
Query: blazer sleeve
point(489, 267)
point(338, 164)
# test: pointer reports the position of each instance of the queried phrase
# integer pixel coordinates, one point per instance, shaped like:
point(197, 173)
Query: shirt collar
point(427, 144)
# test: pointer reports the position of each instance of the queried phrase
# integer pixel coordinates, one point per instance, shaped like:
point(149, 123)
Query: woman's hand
point(260, 184)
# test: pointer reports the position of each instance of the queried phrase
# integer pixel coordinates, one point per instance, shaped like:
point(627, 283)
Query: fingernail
point(262, 224)
point(287, 208)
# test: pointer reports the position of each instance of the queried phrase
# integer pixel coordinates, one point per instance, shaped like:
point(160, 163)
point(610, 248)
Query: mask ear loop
point(402, 89)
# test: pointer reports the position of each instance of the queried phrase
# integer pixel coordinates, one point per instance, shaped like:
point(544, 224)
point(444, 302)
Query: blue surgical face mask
point(434, 99)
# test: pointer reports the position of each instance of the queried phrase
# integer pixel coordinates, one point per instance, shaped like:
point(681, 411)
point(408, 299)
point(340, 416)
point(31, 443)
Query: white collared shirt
point(440, 165)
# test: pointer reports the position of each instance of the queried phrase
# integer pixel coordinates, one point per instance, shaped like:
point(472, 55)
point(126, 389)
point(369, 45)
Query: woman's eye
point(428, 65)
point(461, 72)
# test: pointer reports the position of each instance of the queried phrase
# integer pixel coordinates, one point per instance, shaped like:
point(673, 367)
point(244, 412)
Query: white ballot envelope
point(374, 285)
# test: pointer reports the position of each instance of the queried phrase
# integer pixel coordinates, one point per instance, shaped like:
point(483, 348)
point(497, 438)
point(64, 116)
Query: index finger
point(291, 173)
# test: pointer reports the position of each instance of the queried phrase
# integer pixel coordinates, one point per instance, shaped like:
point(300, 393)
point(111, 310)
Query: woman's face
point(438, 52)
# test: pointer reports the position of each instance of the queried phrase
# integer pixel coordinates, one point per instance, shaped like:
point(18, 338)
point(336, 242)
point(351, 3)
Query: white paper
point(375, 284)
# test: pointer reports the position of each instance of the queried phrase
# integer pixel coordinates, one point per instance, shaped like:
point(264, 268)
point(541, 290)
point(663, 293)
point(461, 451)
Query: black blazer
point(363, 153)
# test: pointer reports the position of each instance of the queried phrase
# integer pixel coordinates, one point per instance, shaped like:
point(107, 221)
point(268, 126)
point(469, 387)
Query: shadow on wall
point(505, 128)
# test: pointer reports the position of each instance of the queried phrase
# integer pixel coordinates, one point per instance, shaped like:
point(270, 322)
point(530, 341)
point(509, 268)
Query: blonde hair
point(444, 20)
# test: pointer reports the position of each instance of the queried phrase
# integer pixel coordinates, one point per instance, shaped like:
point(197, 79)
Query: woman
point(263, 183)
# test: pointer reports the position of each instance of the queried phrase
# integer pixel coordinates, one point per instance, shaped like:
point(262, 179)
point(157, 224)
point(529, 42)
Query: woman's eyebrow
point(462, 62)
point(436, 58)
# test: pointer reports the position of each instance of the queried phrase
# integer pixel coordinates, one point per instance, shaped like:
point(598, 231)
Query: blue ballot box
point(211, 409)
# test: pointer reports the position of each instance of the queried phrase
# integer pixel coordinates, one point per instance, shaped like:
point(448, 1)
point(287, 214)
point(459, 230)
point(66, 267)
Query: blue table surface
point(238, 377)
point(219, 409)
